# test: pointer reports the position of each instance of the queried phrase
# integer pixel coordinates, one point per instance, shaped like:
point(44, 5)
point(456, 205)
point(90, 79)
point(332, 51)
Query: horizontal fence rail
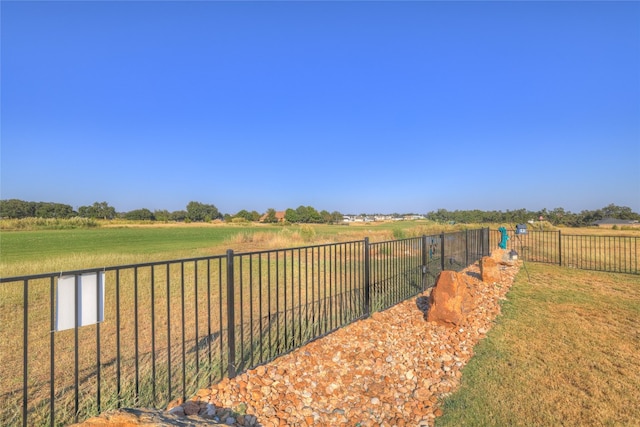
point(146, 334)
point(615, 254)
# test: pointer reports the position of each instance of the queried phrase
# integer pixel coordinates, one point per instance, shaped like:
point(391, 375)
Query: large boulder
point(503, 256)
point(499, 254)
point(450, 299)
point(490, 270)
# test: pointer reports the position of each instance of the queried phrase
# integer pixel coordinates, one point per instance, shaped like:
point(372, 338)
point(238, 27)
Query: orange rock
point(450, 300)
point(489, 270)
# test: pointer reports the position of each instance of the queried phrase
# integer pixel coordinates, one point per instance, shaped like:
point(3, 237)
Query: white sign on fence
point(90, 291)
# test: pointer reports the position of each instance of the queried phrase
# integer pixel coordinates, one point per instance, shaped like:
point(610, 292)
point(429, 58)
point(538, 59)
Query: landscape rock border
point(392, 369)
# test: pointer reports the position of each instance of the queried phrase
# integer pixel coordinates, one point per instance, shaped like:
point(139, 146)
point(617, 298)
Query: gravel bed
point(391, 369)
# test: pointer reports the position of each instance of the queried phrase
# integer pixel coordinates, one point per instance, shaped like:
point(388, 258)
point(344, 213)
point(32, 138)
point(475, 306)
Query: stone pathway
point(391, 369)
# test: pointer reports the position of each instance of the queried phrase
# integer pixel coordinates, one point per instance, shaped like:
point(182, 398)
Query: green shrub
point(399, 234)
point(307, 232)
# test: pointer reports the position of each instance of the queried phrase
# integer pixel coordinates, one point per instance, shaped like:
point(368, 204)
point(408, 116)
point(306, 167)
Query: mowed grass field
point(111, 244)
point(565, 351)
point(41, 251)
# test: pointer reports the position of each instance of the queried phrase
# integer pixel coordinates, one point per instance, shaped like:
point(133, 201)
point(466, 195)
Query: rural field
point(112, 243)
point(26, 252)
point(583, 326)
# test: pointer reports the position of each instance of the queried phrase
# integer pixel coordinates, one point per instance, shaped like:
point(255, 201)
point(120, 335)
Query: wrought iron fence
point(615, 254)
point(163, 330)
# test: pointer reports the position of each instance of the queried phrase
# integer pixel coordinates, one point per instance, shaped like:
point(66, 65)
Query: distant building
point(413, 217)
point(279, 216)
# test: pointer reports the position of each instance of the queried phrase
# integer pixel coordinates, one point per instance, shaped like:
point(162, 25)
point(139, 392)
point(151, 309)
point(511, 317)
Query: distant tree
point(270, 216)
point(585, 218)
point(291, 215)
point(178, 216)
point(97, 210)
point(248, 216)
point(197, 211)
point(314, 215)
point(336, 217)
point(161, 215)
point(556, 216)
point(46, 210)
point(303, 214)
point(140, 215)
point(619, 212)
point(53, 210)
point(464, 217)
point(242, 214)
point(14, 208)
point(307, 214)
point(325, 217)
point(520, 216)
point(441, 215)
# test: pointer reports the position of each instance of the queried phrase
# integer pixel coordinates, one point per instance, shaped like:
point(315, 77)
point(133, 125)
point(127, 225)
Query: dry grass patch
point(602, 231)
point(564, 352)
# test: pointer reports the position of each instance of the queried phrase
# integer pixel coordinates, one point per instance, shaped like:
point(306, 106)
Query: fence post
point(231, 338)
point(424, 262)
point(442, 252)
point(487, 248)
point(560, 248)
point(466, 247)
point(484, 232)
point(367, 279)
point(25, 351)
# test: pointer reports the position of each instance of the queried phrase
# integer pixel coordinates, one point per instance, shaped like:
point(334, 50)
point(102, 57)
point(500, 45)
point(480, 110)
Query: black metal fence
point(616, 254)
point(163, 330)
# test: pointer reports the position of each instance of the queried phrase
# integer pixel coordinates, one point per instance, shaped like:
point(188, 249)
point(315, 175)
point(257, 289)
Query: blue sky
point(375, 107)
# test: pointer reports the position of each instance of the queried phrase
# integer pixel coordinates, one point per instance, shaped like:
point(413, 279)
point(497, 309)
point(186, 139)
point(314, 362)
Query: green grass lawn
point(40, 251)
point(565, 351)
point(30, 245)
point(26, 252)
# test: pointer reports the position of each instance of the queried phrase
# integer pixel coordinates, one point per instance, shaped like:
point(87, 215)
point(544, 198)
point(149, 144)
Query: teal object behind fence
point(504, 238)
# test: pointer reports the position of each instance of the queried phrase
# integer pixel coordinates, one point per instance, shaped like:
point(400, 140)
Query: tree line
point(194, 212)
point(202, 212)
point(16, 209)
point(557, 216)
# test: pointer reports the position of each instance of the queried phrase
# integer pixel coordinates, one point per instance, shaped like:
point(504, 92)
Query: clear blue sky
point(375, 107)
